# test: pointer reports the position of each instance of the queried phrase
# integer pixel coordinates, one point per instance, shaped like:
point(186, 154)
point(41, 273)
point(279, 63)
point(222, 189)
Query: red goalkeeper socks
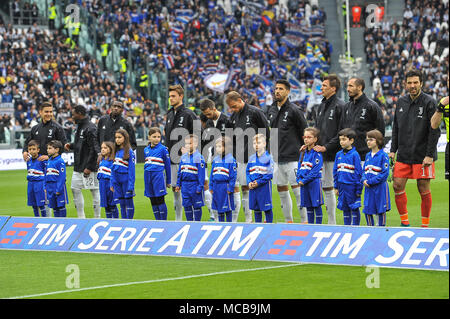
point(401, 200)
point(426, 208)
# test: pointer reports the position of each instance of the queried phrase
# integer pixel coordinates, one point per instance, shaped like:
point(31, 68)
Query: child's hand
point(365, 183)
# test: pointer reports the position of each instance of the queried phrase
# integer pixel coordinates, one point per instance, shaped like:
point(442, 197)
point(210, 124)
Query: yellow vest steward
point(71, 42)
point(104, 49)
point(144, 81)
point(123, 64)
point(67, 22)
point(52, 15)
point(77, 26)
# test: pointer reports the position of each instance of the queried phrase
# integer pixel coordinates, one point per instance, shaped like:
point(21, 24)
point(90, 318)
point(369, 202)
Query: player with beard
point(250, 120)
point(109, 124)
point(414, 142)
point(290, 122)
point(362, 115)
point(214, 120)
point(327, 121)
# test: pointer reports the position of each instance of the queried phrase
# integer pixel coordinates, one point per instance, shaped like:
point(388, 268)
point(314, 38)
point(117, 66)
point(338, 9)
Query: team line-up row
point(116, 179)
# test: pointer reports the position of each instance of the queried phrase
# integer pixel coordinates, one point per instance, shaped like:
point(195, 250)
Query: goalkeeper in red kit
point(415, 143)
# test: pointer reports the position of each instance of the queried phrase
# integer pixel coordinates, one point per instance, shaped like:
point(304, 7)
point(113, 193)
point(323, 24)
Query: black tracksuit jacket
point(249, 117)
point(412, 135)
point(85, 146)
point(328, 121)
point(291, 123)
point(107, 127)
point(362, 115)
point(44, 133)
point(182, 118)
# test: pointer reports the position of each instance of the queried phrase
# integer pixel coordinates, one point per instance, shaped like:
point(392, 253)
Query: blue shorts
point(347, 196)
point(155, 184)
point(36, 193)
point(189, 195)
point(221, 200)
point(106, 196)
point(260, 198)
point(377, 199)
point(121, 188)
point(56, 201)
point(311, 194)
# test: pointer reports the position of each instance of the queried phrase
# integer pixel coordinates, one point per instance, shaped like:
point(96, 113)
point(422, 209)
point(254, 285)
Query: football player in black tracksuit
point(178, 116)
point(362, 115)
point(44, 132)
point(328, 121)
point(215, 123)
point(414, 141)
point(244, 117)
point(291, 123)
point(214, 120)
point(85, 149)
point(109, 124)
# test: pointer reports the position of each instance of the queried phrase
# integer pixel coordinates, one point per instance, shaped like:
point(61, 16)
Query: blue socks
point(356, 217)
point(314, 211)
point(198, 214)
point(36, 210)
point(268, 214)
point(352, 217)
point(193, 214)
point(160, 211)
point(111, 212)
point(163, 211)
point(227, 215)
point(381, 219)
point(60, 212)
point(127, 208)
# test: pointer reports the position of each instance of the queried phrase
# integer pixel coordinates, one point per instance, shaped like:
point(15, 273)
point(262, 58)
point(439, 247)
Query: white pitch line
point(150, 281)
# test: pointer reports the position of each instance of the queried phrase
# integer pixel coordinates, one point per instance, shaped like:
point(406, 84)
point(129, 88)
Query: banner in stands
point(415, 248)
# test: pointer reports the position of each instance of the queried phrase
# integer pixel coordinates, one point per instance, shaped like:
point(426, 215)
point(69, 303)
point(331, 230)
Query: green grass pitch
point(36, 274)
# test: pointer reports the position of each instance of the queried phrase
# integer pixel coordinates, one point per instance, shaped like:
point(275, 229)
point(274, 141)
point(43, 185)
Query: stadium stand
point(189, 41)
point(420, 39)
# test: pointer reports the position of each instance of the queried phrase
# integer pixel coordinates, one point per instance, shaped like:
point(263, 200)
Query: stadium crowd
point(419, 40)
point(192, 39)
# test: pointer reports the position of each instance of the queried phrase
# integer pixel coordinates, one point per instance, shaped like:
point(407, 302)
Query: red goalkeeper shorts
point(413, 171)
